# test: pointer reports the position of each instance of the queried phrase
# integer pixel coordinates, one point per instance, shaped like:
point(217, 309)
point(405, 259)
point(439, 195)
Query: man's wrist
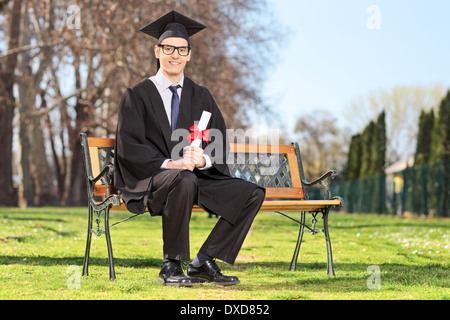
point(206, 162)
point(165, 163)
point(203, 162)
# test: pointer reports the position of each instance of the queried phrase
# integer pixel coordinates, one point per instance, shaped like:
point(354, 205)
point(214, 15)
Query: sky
point(335, 51)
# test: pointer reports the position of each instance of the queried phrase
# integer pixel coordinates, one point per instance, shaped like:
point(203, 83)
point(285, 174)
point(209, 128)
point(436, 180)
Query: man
point(149, 173)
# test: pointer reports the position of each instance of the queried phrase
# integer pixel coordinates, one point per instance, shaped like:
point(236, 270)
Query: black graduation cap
point(172, 24)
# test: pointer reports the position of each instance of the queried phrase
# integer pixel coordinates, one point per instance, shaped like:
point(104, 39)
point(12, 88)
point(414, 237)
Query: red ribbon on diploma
point(198, 134)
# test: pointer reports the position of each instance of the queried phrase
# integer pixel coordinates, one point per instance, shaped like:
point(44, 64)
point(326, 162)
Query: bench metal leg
point(293, 265)
point(112, 273)
point(98, 232)
point(88, 244)
point(330, 267)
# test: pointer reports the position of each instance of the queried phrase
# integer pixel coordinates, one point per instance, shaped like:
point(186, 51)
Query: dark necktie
point(175, 106)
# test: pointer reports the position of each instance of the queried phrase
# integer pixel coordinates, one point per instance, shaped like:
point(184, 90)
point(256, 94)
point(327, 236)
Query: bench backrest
point(278, 168)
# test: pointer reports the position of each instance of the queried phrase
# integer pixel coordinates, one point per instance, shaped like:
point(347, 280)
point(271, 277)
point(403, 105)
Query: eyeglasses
point(168, 49)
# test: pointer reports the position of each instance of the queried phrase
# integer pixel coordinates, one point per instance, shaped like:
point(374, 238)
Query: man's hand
point(195, 154)
point(192, 158)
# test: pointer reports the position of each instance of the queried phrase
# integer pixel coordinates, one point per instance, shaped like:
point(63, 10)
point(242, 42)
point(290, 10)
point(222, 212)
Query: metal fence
point(423, 190)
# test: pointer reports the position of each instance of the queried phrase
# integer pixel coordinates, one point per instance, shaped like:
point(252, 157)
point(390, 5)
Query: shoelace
point(180, 266)
point(183, 266)
point(215, 267)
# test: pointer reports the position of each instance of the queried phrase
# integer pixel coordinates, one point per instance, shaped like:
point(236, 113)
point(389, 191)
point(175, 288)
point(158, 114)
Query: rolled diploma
point(204, 120)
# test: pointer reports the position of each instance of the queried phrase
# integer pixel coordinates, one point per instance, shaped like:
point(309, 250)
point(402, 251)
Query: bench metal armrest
point(323, 180)
point(105, 175)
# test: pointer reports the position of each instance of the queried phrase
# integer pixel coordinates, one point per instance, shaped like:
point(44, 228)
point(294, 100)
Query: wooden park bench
point(278, 168)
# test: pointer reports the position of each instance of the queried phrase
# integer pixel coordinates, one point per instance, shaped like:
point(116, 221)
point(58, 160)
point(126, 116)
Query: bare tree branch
point(25, 48)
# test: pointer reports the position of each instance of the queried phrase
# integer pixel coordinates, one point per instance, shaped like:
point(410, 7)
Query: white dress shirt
point(162, 85)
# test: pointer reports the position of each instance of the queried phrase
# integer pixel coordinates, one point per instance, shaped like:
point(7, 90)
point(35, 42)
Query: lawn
point(375, 257)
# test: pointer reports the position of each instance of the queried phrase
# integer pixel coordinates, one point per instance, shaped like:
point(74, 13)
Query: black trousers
point(224, 241)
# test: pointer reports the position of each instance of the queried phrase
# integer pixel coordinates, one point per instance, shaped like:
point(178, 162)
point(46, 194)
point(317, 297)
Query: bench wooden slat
point(279, 205)
point(289, 193)
point(95, 163)
point(292, 205)
point(100, 190)
point(295, 173)
point(299, 205)
point(261, 148)
point(100, 142)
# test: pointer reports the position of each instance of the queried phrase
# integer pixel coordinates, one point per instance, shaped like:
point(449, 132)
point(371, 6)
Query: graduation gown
point(143, 143)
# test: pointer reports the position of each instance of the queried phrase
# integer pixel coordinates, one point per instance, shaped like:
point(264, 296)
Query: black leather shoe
point(172, 275)
point(210, 272)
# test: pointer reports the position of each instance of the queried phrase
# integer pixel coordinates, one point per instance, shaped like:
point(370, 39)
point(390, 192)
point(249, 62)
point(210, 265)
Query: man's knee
point(184, 187)
point(187, 179)
point(259, 195)
point(257, 198)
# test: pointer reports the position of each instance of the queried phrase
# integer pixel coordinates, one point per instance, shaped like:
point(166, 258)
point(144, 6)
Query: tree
point(7, 105)
point(366, 161)
point(354, 158)
point(322, 143)
point(440, 147)
point(440, 153)
point(423, 145)
point(378, 165)
point(37, 180)
point(379, 146)
point(369, 148)
point(367, 145)
point(420, 175)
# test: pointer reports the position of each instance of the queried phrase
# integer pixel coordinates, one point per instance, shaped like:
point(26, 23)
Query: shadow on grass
point(68, 261)
point(350, 277)
point(29, 218)
point(425, 224)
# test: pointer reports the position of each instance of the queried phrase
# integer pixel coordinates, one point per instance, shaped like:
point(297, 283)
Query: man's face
point(172, 65)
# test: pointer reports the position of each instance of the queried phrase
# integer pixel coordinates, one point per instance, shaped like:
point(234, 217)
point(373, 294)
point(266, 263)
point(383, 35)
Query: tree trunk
point(37, 179)
point(76, 194)
point(7, 106)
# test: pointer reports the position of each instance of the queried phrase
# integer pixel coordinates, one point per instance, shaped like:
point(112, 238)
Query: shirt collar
point(165, 83)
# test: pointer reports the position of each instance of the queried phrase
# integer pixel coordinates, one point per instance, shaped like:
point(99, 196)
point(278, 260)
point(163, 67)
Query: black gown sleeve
point(135, 159)
point(217, 122)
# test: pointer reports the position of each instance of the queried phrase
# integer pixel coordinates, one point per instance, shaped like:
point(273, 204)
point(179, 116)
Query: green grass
point(42, 249)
